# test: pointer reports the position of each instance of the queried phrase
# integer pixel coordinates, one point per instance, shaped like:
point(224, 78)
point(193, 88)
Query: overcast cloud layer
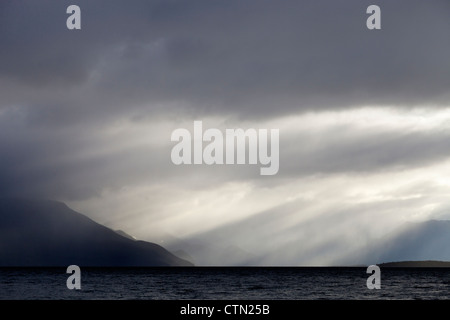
point(364, 118)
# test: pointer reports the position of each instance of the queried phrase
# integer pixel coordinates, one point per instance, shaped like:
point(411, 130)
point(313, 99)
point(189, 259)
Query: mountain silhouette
point(48, 233)
point(124, 234)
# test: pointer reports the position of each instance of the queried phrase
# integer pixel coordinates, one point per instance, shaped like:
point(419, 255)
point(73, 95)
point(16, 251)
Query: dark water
point(224, 284)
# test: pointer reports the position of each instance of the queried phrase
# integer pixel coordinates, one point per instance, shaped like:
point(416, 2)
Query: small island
point(416, 264)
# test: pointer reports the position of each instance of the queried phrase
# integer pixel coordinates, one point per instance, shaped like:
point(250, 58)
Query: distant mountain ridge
point(124, 234)
point(48, 233)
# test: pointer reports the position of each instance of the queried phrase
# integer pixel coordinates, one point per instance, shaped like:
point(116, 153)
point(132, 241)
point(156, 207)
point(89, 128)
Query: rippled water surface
point(224, 283)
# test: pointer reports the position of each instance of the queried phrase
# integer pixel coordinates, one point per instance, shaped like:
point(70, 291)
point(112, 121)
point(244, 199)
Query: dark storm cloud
point(253, 58)
point(68, 163)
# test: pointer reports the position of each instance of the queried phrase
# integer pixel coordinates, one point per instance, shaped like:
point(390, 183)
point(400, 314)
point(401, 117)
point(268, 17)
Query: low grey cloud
point(363, 152)
point(73, 164)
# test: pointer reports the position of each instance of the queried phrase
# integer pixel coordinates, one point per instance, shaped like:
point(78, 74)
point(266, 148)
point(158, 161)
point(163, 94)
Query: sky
point(363, 115)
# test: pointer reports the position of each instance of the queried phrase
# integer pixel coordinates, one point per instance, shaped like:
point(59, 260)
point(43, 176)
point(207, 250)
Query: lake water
point(217, 283)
